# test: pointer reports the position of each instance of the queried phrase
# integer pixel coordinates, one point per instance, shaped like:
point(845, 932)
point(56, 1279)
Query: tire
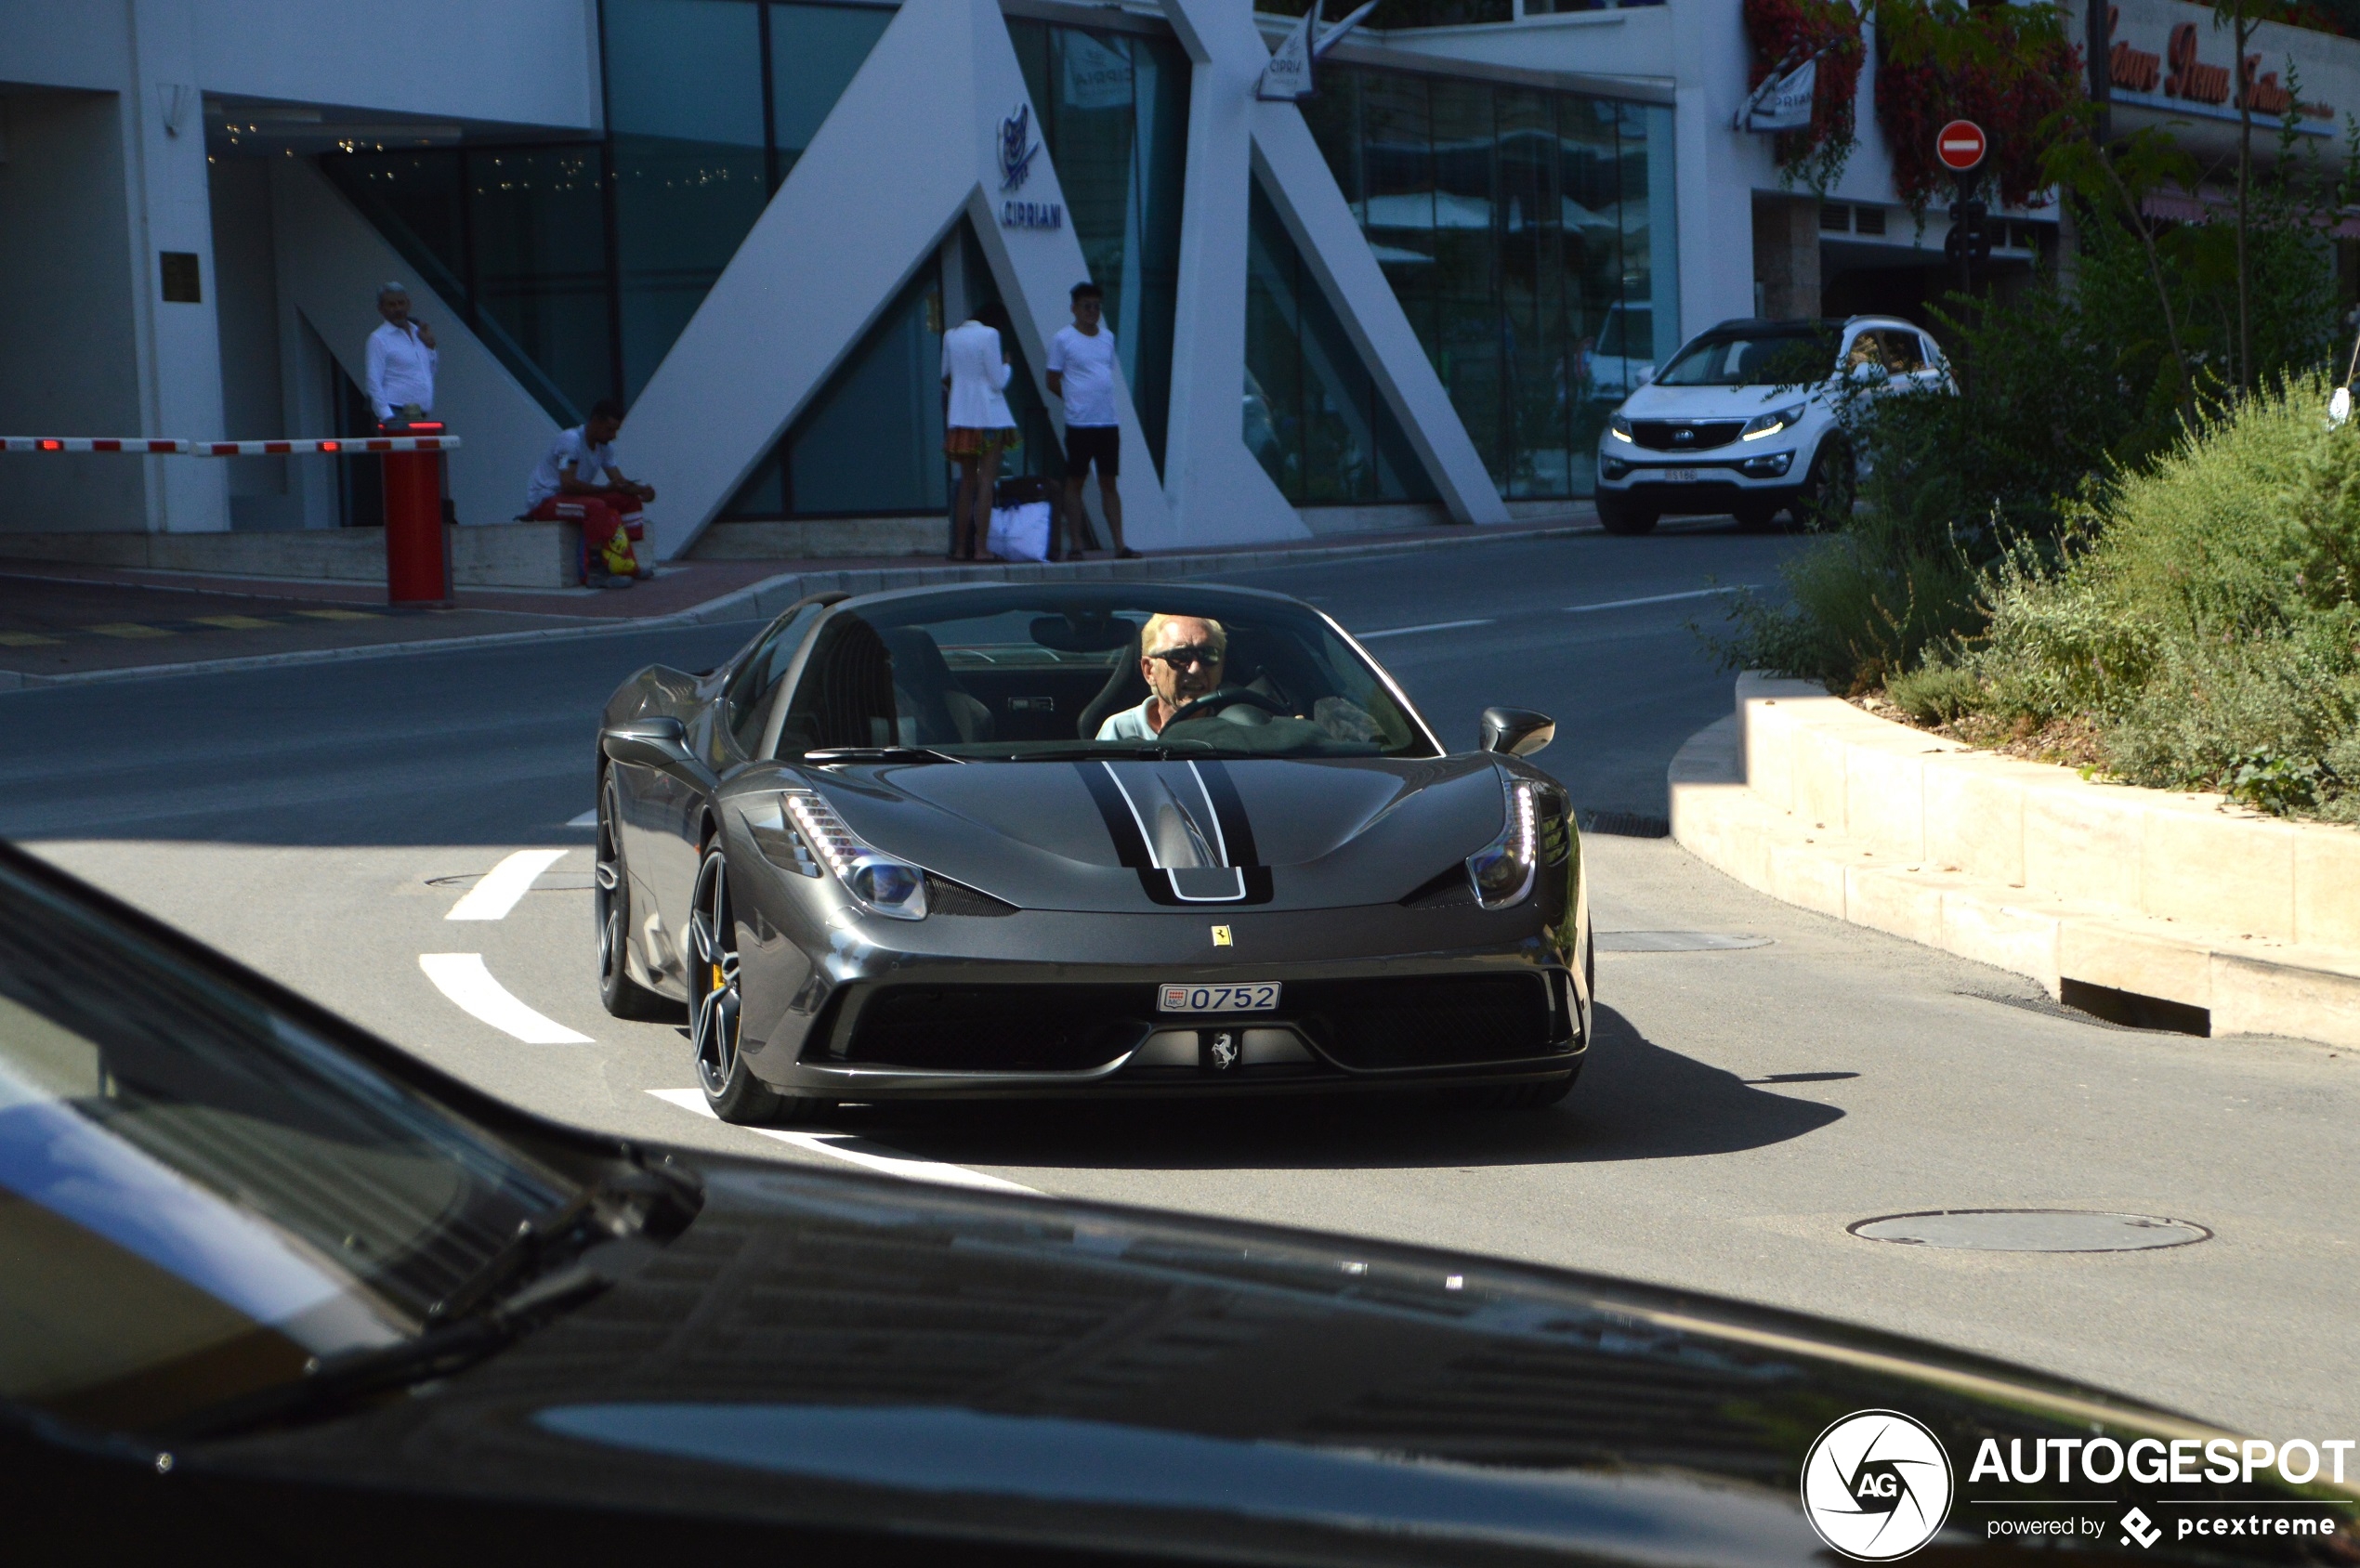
point(1623, 516)
point(1825, 500)
point(730, 1088)
point(610, 900)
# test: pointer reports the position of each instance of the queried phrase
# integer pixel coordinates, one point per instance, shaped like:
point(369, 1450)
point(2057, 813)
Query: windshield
point(1771, 356)
point(1033, 673)
point(198, 1194)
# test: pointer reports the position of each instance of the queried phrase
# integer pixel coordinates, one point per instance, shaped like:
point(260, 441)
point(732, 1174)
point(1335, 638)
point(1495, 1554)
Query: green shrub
point(2205, 615)
point(1936, 695)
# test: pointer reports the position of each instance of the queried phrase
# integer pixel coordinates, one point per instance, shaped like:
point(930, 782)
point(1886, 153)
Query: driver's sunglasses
point(1180, 658)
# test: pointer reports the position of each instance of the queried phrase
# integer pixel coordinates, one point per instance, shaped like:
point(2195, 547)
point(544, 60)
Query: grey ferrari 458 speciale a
point(958, 842)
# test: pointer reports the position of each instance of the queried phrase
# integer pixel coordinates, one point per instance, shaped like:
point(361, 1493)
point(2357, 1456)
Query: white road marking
point(1663, 598)
point(860, 1150)
point(462, 978)
point(492, 898)
point(1413, 631)
point(588, 820)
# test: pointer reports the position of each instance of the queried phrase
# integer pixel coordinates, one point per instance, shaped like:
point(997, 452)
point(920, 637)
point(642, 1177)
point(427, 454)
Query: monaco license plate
point(1678, 476)
point(1259, 997)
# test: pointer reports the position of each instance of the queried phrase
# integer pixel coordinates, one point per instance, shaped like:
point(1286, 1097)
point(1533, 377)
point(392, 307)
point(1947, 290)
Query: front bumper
point(1712, 481)
point(1374, 999)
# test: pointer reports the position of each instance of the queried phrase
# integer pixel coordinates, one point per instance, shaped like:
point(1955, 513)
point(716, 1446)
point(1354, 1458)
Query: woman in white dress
point(975, 369)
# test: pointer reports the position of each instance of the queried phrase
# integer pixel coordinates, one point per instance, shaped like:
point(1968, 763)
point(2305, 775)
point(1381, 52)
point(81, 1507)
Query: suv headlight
point(1502, 871)
point(877, 881)
point(1619, 426)
point(1770, 424)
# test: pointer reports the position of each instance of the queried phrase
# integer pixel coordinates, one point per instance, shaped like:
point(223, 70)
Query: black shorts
point(1086, 444)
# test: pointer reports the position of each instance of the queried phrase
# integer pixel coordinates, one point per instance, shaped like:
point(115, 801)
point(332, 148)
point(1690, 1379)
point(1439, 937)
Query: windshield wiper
point(563, 1260)
point(831, 754)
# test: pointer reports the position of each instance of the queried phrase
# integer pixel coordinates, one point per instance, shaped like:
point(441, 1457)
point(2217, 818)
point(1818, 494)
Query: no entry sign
point(1959, 145)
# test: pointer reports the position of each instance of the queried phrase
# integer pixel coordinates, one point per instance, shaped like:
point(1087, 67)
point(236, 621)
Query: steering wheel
point(1213, 701)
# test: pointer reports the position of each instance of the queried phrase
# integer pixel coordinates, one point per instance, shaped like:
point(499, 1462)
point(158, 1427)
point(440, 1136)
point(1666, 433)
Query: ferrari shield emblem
point(1220, 936)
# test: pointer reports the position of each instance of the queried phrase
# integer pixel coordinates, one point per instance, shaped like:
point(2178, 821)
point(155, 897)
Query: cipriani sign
point(1016, 147)
point(2181, 72)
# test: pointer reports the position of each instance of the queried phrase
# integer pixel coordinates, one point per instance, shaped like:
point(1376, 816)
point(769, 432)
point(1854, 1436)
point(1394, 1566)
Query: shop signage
point(1289, 77)
point(2181, 73)
point(1032, 215)
point(1017, 150)
point(1783, 101)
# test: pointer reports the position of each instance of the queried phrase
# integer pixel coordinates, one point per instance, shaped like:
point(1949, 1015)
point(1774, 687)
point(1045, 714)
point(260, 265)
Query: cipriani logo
point(1876, 1485)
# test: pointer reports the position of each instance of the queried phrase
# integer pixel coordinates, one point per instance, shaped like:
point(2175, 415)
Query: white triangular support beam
point(1229, 135)
point(831, 250)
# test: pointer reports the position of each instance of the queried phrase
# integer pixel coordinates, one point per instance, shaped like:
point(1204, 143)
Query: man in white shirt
point(1082, 372)
point(1181, 656)
point(401, 361)
point(577, 481)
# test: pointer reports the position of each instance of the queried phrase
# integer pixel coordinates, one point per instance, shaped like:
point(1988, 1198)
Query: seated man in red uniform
point(577, 481)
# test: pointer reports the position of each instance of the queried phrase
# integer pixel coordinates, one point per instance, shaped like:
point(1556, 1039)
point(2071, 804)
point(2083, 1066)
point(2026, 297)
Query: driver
point(1181, 658)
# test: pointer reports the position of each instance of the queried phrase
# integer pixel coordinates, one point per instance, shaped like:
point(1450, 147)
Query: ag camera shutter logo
point(1876, 1485)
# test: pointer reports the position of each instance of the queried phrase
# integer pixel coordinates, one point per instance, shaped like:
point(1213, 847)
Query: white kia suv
point(1744, 420)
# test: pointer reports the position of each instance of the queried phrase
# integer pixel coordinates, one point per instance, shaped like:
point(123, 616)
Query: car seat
point(934, 708)
point(1124, 688)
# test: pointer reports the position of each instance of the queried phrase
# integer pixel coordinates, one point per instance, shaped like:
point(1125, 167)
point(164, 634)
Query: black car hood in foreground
point(849, 1354)
point(1331, 833)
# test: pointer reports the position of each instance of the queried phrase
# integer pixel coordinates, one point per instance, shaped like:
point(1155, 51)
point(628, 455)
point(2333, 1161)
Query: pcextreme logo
point(1876, 1485)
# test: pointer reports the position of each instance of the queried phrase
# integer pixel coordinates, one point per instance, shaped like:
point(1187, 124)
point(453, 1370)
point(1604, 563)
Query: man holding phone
point(401, 361)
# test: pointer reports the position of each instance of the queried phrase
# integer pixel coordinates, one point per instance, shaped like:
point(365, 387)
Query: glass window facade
point(871, 442)
point(1313, 416)
point(1528, 237)
point(580, 261)
point(1114, 115)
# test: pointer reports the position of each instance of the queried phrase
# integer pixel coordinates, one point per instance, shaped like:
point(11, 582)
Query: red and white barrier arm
point(143, 445)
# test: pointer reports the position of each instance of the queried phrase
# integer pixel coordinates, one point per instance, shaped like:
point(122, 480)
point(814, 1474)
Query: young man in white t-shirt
point(577, 481)
point(1082, 372)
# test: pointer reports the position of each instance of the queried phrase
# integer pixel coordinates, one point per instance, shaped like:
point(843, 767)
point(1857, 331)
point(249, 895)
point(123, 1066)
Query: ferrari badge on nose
point(1220, 936)
point(1217, 1049)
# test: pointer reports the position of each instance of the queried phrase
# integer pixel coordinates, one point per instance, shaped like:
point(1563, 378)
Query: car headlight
point(877, 881)
point(1502, 871)
point(1619, 426)
point(1770, 424)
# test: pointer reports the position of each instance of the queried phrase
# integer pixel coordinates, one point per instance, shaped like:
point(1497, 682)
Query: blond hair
point(1158, 622)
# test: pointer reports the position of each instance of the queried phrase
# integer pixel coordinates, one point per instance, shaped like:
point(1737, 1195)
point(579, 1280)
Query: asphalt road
point(1742, 1108)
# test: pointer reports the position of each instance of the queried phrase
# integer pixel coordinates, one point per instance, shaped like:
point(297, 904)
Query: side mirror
point(1517, 732)
point(1643, 376)
point(658, 743)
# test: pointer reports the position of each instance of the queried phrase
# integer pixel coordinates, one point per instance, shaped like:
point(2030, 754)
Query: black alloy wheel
point(1623, 516)
point(611, 901)
point(715, 1010)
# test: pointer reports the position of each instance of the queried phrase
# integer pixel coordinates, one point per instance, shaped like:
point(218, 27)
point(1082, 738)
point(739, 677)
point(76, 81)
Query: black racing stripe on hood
point(1229, 809)
point(1130, 846)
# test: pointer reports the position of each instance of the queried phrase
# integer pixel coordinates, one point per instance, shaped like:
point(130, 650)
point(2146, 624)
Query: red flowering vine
point(2010, 68)
point(1788, 33)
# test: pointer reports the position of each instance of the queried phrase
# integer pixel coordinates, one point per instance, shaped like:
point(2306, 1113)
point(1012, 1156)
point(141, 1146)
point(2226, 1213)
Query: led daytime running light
point(824, 831)
point(1515, 853)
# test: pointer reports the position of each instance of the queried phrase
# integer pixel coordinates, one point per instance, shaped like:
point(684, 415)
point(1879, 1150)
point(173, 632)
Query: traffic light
point(1969, 241)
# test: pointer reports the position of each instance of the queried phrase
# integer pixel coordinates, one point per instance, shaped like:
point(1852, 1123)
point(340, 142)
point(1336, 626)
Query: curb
point(1806, 798)
point(760, 600)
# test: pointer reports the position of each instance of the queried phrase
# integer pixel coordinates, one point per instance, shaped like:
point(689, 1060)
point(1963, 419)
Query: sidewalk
point(70, 624)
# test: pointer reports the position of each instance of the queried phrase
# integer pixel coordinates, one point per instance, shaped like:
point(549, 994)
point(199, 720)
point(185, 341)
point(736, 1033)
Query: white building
point(1414, 297)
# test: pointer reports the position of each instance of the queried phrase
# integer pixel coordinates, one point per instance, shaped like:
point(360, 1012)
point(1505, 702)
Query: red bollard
point(417, 566)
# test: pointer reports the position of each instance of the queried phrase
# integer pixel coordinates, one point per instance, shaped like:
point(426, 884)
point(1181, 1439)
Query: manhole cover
point(1675, 941)
point(2031, 1229)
